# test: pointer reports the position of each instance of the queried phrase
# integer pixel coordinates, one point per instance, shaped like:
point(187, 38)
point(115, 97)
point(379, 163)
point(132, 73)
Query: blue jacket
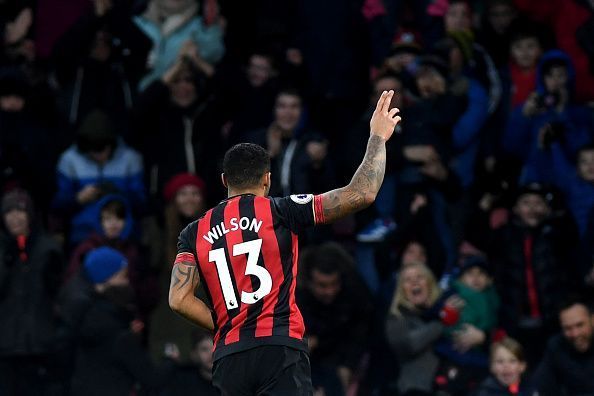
point(466, 132)
point(166, 48)
point(91, 221)
point(122, 174)
point(521, 135)
point(578, 193)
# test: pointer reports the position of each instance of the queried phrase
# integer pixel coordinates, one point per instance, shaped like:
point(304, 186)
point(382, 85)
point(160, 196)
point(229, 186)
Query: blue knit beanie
point(102, 263)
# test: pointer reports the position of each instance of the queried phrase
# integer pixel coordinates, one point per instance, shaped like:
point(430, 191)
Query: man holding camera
point(548, 116)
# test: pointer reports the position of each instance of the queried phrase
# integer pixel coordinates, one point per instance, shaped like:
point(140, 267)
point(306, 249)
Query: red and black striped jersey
point(246, 250)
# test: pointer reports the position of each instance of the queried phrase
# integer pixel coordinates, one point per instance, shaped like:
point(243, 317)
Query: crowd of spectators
point(472, 273)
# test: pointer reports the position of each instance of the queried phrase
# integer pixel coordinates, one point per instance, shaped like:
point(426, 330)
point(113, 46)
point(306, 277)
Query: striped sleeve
point(318, 210)
point(186, 245)
point(300, 210)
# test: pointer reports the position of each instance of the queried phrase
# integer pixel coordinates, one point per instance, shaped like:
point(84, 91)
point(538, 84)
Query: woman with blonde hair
point(418, 316)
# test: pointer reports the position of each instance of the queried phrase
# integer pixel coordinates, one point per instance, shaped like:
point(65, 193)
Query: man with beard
point(568, 363)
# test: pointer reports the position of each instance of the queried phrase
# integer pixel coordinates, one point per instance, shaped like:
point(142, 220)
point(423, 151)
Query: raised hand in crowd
point(421, 153)
point(191, 52)
point(317, 151)
point(16, 30)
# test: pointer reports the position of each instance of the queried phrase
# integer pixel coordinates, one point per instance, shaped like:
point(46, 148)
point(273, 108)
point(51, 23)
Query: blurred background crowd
point(472, 273)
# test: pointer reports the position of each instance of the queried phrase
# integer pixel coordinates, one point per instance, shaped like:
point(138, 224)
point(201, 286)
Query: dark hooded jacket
point(110, 358)
point(29, 281)
point(574, 124)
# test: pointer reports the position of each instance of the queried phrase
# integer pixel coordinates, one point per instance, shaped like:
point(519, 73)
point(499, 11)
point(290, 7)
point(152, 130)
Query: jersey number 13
point(252, 249)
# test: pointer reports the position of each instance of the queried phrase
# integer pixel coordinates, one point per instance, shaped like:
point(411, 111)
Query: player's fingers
point(393, 112)
point(380, 101)
point(398, 119)
point(387, 101)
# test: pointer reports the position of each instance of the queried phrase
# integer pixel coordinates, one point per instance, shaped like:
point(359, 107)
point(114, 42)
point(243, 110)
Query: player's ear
point(224, 180)
point(267, 179)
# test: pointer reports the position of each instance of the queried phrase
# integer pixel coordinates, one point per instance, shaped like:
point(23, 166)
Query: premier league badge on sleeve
point(301, 198)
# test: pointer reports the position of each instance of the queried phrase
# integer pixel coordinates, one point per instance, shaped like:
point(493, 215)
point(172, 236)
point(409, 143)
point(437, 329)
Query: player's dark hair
point(245, 164)
point(115, 207)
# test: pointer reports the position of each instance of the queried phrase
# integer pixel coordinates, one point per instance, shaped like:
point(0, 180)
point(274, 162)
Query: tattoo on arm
point(364, 185)
point(180, 276)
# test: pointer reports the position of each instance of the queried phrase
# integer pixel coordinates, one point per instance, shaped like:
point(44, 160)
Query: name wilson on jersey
point(235, 224)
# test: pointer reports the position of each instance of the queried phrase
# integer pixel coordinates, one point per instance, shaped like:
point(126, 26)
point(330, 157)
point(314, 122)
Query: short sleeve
point(300, 210)
point(186, 245)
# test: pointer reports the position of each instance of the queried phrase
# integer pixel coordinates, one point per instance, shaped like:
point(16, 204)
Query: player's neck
point(253, 191)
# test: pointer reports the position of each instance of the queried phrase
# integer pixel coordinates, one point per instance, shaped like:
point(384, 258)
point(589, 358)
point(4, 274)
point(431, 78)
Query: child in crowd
point(113, 227)
point(474, 286)
point(507, 367)
point(464, 345)
point(525, 52)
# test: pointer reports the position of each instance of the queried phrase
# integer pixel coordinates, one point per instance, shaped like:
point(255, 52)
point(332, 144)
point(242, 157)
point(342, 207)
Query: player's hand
point(384, 120)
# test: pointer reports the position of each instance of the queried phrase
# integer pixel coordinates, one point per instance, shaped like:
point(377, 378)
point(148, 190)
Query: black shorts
point(269, 370)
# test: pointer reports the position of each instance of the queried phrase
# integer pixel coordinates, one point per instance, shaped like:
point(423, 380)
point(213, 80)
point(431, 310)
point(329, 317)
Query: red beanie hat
point(180, 180)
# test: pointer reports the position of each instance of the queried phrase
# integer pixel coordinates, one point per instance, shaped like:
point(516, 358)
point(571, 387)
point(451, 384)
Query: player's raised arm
point(367, 180)
point(184, 281)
